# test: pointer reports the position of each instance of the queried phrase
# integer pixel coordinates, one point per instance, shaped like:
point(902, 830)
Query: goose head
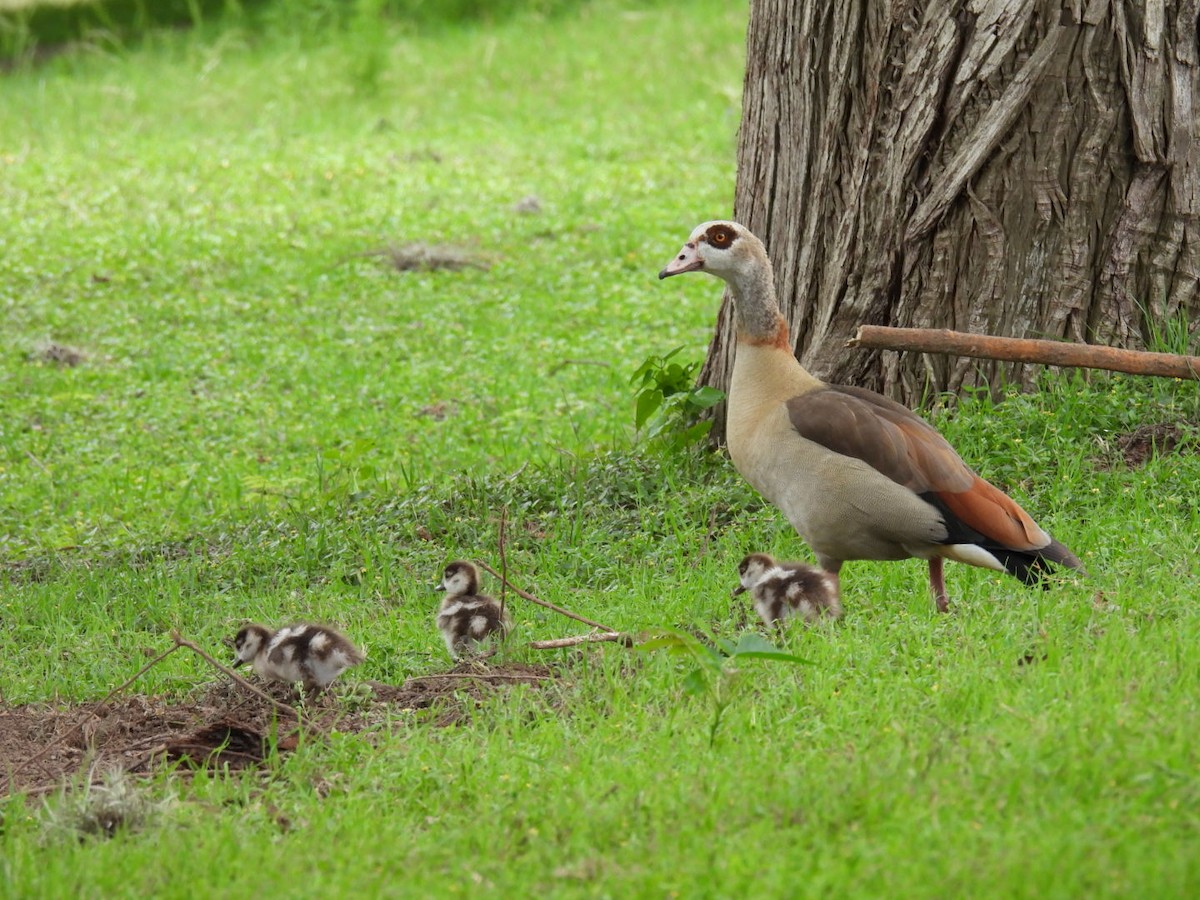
point(250, 641)
point(460, 578)
point(721, 248)
point(751, 571)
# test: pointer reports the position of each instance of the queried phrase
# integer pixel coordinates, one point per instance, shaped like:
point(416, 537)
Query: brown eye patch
point(720, 236)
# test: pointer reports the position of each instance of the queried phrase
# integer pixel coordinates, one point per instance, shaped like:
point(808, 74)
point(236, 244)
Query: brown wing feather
point(897, 443)
point(885, 435)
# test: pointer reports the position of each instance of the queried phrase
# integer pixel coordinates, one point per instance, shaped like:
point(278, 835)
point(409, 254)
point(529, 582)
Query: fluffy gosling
point(781, 590)
point(311, 654)
point(466, 618)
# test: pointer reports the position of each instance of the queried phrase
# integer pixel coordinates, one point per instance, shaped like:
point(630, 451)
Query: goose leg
point(937, 584)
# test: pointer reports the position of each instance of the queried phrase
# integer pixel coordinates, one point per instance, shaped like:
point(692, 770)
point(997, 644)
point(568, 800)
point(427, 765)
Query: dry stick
point(180, 642)
point(533, 599)
point(503, 562)
point(488, 676)
point(1028, 350)
point(594, 637)
point(555, 369)
point(10, 780)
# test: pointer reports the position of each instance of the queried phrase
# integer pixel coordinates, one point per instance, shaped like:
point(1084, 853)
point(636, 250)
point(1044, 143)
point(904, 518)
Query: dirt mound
point(1139, 445)
point(225, 725)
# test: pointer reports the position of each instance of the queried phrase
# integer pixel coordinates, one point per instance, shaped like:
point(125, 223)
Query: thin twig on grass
point(503, 561)
point(594, 638)
point(532, 599)
point(558, 367)
point(485, 676)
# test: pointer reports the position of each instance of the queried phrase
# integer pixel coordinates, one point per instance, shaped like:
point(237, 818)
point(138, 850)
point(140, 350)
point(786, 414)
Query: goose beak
point(439, 587)
point(688, 260)
point(740, 589)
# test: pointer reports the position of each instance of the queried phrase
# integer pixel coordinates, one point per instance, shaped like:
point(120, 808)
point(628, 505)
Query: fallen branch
point(533, 599)
point(558, 367)
point(1027, 350)
point(485, 676)
point(503, 562)
point(593, 638)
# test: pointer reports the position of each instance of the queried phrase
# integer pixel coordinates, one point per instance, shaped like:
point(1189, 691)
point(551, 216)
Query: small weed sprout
point(117, 803)
point(671, 401)
point(716, 673)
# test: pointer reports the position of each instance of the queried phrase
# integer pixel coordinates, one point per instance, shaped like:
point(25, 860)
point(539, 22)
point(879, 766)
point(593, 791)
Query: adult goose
point(858, 475)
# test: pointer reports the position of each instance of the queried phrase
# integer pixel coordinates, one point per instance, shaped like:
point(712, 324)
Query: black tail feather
point(1031, 565)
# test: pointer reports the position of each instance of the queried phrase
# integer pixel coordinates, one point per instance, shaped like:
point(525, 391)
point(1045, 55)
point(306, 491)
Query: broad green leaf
point(695, 683)
point(704, 397)
point(648, 402)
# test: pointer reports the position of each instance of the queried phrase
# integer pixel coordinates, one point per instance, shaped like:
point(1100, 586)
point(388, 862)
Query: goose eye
point(719, 237)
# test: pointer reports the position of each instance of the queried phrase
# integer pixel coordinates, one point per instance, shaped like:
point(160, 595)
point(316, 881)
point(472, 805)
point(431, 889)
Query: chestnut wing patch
point(882, 433)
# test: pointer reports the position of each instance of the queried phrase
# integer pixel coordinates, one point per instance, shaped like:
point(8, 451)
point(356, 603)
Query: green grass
point(269, 425)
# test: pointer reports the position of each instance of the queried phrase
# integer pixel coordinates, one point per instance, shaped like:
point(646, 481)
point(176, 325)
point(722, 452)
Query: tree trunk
point(1011, 167)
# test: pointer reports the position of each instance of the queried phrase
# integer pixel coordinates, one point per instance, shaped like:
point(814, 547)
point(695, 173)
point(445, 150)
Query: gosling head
point(722, 248)
point(250, 641)
point(460, 578)
point(751, 571)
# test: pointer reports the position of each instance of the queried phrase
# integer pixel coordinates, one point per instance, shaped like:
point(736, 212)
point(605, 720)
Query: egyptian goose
point(782, 590)
point(311, 654)
point(466, 617)
point(858, 475)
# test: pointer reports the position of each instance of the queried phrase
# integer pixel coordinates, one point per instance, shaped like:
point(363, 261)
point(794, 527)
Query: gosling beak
point(439, 587)
point(740, 589)
point(688, 260)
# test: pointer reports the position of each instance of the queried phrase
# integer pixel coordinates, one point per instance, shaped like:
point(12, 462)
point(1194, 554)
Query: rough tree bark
point(1012, 167)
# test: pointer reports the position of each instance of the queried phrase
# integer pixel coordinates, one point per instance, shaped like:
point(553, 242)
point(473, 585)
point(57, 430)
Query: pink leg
point(937, 584)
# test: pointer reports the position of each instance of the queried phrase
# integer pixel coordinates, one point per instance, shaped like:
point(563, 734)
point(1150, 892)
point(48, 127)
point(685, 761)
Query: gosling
point(781, 590)
point(466, 618)
point(311, 654)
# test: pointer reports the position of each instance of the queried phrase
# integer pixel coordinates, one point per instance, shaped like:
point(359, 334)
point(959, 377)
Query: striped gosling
point(311, 654)
point(781, 590)
point(466, 618)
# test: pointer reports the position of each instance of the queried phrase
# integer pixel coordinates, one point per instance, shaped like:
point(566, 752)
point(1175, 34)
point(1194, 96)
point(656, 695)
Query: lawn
point(268, 420)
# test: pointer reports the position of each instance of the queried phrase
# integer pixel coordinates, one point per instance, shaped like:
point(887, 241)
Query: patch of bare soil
point(225, 725)
point(58, 354)
point(1138, 446)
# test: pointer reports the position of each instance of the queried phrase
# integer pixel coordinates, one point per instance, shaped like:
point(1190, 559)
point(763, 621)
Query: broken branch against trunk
point(283, 707)
point(11, 779)
point(593, 638)
point(533, 599)
point(1026, 350)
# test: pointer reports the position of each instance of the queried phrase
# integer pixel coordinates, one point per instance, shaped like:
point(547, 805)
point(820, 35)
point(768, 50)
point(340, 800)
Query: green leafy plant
point(716, 671)
point(669, 399)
